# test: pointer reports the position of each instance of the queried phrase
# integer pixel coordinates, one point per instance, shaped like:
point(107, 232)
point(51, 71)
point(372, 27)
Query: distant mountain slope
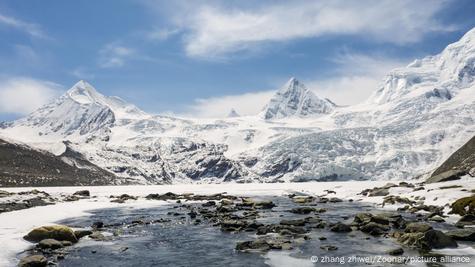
point(24, 166)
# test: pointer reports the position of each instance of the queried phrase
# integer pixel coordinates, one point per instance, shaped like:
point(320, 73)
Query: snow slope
point(409, 126)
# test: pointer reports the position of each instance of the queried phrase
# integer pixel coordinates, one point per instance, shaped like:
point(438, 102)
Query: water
point(179, 242)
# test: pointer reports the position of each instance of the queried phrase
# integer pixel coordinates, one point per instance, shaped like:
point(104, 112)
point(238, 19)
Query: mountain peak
point(84, 93)
point(294, 99)
point(233, 114)
point(292, 84)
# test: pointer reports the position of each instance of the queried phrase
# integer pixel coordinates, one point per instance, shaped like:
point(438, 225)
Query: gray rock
point(50, 244)
point(58, 232)
point(329, 247)
point(432, 239)
point(340, 228)
point(396, 252)
point(33, 261)
point(449, 175)
point(375, 229)
point(261, 245)
point(417, 228)
point(82, 233)
point(303, 210)
point(466, 220)
point(83, 193)
point(466, 234)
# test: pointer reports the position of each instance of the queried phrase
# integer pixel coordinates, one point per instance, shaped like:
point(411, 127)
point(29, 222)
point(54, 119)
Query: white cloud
point(21, 95)
point(213, 30)
point(355, 78)
point(219, 107)
point(30, 28)
point(113, 55)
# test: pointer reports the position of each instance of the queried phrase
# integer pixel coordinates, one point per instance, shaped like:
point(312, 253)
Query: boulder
point(432, 239)
point(33, 261)
point(82, 233)
point(417, 228)
point(302, 199)
point(297, 222)
point(50, 244)
point(261, 245)
point(329, 247)
point(83, 193)
point(97, 236)
point(466, 220)
point(226, 202)
point(303, 210)
point(97, 225)
point(340, 228)
point(396, 252)
point(375, 229)
point(463, 206)
point(233, 225)
point(466, 234)
point(58, 232)
point(264, 205)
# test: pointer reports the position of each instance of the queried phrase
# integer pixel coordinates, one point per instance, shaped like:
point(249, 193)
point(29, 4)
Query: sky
point(202, 58)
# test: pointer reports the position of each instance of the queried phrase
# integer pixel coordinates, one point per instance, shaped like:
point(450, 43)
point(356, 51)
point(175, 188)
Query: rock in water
point(396, 252)
point(33, 261)
point(82, 233)
point(417, 228)
point(50, 244)
point(467, 234)
point(261, 245)
point(341, 228)
point(466, 221)
point(58, 232)
point(432, 239)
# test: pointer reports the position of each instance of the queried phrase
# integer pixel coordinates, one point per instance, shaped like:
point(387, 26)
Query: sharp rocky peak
point(295, 99)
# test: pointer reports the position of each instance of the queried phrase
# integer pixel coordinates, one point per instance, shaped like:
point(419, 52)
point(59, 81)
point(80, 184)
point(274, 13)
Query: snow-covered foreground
point(14, 225)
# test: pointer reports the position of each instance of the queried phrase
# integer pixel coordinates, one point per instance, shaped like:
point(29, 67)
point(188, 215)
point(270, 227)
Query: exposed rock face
point(459, 163)
point(21, 165)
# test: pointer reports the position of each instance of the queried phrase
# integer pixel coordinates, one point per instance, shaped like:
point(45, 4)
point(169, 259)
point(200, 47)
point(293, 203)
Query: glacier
point(420, 114)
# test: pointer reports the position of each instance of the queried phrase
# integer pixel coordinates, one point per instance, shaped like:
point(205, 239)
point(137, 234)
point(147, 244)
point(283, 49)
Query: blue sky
point(202, 58)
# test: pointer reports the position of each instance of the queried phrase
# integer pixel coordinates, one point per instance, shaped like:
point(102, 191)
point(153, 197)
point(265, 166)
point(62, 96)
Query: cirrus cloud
point(216, 29)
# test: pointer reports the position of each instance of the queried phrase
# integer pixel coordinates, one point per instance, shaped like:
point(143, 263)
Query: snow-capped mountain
point(409, 126)
point(233, 114)
point(80, 111)
point(294, 99)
